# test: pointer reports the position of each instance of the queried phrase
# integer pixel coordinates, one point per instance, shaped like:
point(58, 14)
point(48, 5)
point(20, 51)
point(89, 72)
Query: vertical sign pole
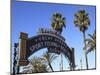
point(73, 59)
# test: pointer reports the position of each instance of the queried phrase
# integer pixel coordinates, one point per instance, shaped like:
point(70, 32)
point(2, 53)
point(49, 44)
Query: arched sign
point(49, 39)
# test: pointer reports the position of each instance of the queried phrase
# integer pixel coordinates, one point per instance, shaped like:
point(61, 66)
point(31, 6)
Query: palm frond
point(81, 20)
point(58, 22)
point(91, 36)
point(38, 65)
point(90, 50)
point(91, 42)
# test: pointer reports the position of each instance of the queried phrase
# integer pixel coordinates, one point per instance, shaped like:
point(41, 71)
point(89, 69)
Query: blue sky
point(29, 16)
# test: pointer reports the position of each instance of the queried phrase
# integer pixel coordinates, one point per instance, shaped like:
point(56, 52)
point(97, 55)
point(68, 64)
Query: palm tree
point(91, 42)
point(49, 57)
point(38, 65)
point(81, 20)
point(58, 22)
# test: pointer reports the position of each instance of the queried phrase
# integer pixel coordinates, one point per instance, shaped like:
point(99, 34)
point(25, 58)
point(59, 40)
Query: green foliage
point(91, 42)
point(43, 64)
point(81, 20)
point(49, 57)
point(38, 65)
point(58, 22)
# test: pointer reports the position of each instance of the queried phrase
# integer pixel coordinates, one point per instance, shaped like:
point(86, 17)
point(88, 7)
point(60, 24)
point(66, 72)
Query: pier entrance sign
point(45, 38)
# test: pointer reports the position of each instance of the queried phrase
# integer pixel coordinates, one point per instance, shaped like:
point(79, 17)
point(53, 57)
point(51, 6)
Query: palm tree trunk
point(86, 60)
point(50, 67)
point(85, 51)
